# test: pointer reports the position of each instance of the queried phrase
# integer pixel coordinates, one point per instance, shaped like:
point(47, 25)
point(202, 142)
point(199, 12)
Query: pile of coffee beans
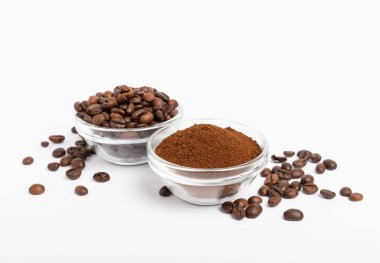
point(240, 208)
point(127, 107)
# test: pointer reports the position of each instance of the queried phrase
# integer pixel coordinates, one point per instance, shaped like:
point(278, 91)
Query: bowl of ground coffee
point(207, 161)
point(117, 124)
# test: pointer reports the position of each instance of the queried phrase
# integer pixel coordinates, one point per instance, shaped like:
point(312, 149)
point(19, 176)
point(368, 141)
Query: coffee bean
point(146, 118)
point(275, 190)
point(102, 177)
point(255, 200)
point(299, 163)
point(278, 159)
point(66, 160)
point(290, 193)
point(56, 138)
point(320, 168)
point(80, 143)
point(81, 190)
point(330, 164)
point(227, 207)
point(286, 166)
point(263, 190)
point(71, 150)
point(59, 152)
point(293, 215)
point(274, 200)
point(78, 163)
point(296, 173)
point(241, 202)
point(310, 188)
point(98, 119)
point(74, 130)
point(80, 155)
point(307, 179)
point(36, 189)
point(265, 172)
point(271, 180)
point(296, 185)
point(94, 109)
point(53, 166)
point(73, 173)
point(238, 212)
point(27, 160)
point(355, 197)
point(289, 153)
point(275, 168)
point(253, 210)
point(117, 123)
point(44, 144)
point(164, 191)
point(304, 154)
point(283, 185)
point(345, 191)
point(283, 174)
point(327, 194)
point(315, 158)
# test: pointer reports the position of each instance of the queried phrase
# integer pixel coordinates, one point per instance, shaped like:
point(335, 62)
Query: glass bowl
point(124, 146)
point(206, 186)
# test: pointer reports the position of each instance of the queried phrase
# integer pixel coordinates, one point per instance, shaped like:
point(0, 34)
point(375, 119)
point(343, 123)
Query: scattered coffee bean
point(275, 190)
point(345, 191)
point(65, 160)
point(283, 185)
point(310, 188)
point(59, 152)
point(290, 193)
point(293, 215)
point(286, 166)
point(271, 180)
point(307, 179)
point(255, 200)
point(289, 153)
point(299, 163)
point(274, 200)
point(327, 194)
point(355, 197)
point(27, 160)
point(56, 138)
point(45, 144)
point(315, 158)
point(283, 174)
point(278, 159)
point(296, 185)
point(78, 163)
point(73, 173)
point(304, 154)
point(81, 190)
point(275, 168)
point(238, 212)
point(102, 177)
point(74, 130)
point(330, 164)
point(320, 168)
point(164, 191)
point(242, 202)
point(227, 207)
point(253, 210)
point(296, 173)
point(53, 166)
point(263, 190)
point(265, 172)
point(36, 189)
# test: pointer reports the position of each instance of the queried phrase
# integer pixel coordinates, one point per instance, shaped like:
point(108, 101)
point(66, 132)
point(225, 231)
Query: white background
point(305, 73)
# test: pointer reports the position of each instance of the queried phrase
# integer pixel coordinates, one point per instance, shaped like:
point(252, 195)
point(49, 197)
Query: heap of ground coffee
point(208, 146)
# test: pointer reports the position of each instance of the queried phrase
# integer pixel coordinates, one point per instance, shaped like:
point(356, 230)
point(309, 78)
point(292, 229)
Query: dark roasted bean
point(27, 160)
point(227, 207)
point(255, 200)
point(307, 179)
point(275, 168)
point(98, 120)
point(327, 194)
point(101, 177)
point(253, 210)
point(265, 172)
point(345, 191)
point(56, 138)
point(320, 168)
point(146, 118)
point(73, 173)
point(78, 163)
point(275, 190)
point(315, 158)
point(164, 191)
point(330, 164)
point(242, 202)
point(296, 173)
point(304, 154)
point(36, 189)
point(263, 190)
point(290, 193)
point(293, 215)
point(271, 180)
point(296, 185)
point(66, 160)
point(238, 212)
point(74, 130)
point(355, 197)
point(53, 166)
point(59, 152)
point(310, 188)
point(286, 166)
point(299, 163)
point(274, 200)
point(289, 153)
point(44, 144)
point(278, 159)
point(283, 185)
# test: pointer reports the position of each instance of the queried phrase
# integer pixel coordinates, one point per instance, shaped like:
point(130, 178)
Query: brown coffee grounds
point(208, 146)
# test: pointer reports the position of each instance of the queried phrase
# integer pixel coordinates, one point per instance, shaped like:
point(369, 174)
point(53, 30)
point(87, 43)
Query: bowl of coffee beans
point(117, 124)
point(207, 161)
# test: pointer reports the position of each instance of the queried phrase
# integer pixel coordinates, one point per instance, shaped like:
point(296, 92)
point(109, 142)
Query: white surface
point(306, 73)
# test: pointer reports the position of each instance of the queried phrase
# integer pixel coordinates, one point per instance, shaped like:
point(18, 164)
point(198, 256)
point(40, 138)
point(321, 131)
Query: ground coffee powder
point(208, 146)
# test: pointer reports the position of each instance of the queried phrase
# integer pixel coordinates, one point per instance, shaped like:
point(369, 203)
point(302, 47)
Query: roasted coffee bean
point(289, 153)
point(255, 200)
point(164, 191)
point(81, 190)
point(117, 123)
point(94, 109)
point(74, 130)
point(98, 119)
point(290, 193)
point(137, 114)
point(271, 180)
point(274, 200)
point(283, 174)
point(345, 191)
point(146, 118)
point(263, 190)
point(330, 164)
point(265, 172)
point(79, 143)
point(161, 95)
point(304, 154)
point(242, 202)
point(102, 177)
point(66, 160)
point(275, 168)
point(59, 152)
point(53, 166)
point(299, 163)
point(355, 197)
point(36, 189)
point(320, 168)
point(296, 173)
point(310, 188)
point(238, 212)
point(327, 194)
point(227, 207)
point(275, 190)
point(78, 106)
point(253, 210)
point(283, 185)
point(27, 160)
point(78, 163)
point(278, 159)
point(315, 158)
point(44, 144)
point(72, 150)
point(149, 97)
point(307, 179)
point(80, 154)
point(296, 185)
point(286, 166)
point(56, 138)
point(293, 215)
point(159, 115)
point(73, 173)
